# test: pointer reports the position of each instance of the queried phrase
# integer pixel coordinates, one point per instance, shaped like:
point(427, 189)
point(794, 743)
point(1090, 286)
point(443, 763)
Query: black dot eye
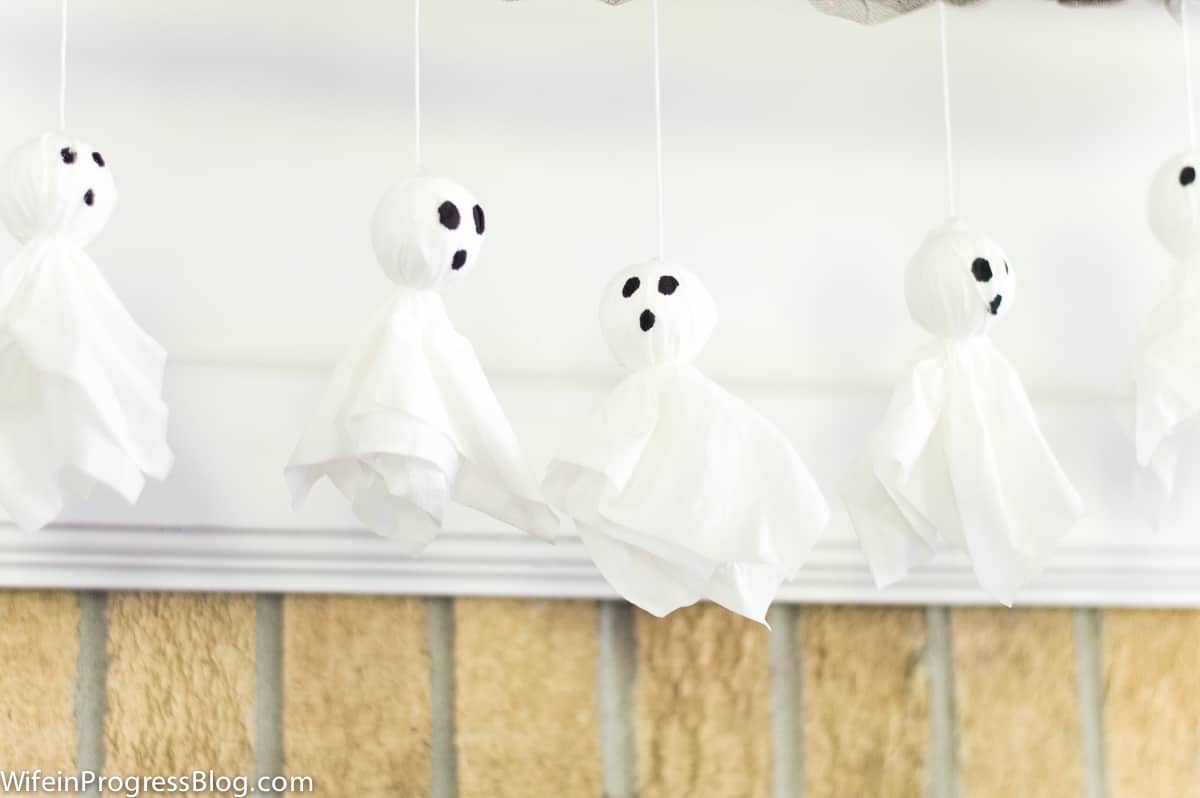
point(631, 286)
point(89, 198)
point(1187, 176)
point(981, 269)
point(460, 260)
point(68, 155)
point(994, 305)
point(646, 320)
point(477, 212)
point(1006, 267)
point(667, 284)
point(99, 159)
point(448, 215)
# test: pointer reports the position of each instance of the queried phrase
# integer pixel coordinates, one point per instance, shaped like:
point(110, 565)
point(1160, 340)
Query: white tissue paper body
point(1167, 371)
point(80, 381)
point(679, 490)
point(959, 461)
point(409, 421)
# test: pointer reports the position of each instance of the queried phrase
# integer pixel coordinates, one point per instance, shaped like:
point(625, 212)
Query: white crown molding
point(504, 564)
point(222, 522)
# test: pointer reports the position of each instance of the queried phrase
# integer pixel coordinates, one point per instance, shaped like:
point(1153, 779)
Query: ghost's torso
point(685, 462)
point(1167, 374)
point(59, 321)
point(410, 406)
point(962, 458)
point(426, 368)
point(980, 416)
point(60, 310)
point(409, 359)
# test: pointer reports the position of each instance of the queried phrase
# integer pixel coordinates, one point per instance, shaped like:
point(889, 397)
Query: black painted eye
point(994, 305)
point(89, 198)
point(460, 260)
point(1006, 267)
point(981, 269)
point(1187, 176)
point(448, 215)
point(99, 159)
point(646, 320)
point(667, 284)
point(477, 212)
point(68, 155)
point(631, 286)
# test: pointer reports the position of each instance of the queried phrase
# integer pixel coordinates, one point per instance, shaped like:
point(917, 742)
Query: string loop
point(417, 85)
point(946, 107)
point(1187, 72)
point(62, 71)
point(658, 152)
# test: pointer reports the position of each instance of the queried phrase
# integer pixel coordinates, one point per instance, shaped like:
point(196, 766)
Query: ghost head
point(426, 228)
point(656, 313)
point(1175, 205)
point(958, 282)
point(57, 187)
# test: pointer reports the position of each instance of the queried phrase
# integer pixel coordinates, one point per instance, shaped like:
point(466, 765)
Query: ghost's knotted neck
point(428, 231)
point(1174, 204)
point(958, 283)
point(56, 189)
point(656, 314)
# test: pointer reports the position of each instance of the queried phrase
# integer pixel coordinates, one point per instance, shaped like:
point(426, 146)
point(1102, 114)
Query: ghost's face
point(425, 229)
point(958, 282)
point(58, 187)
point(656, 313)
point(1175, 205)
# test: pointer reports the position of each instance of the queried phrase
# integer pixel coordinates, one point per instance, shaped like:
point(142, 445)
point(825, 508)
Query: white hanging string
point(417, 84)
point(1187, 72)
point(658, 155)
point(62, 70)
point(946, 107)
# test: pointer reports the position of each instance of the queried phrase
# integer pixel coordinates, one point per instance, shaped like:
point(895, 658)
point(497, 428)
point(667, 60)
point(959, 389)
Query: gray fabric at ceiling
point(873, 12)
point(867, 12)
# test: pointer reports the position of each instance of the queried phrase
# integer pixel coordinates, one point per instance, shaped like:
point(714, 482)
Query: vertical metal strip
point(616, 672)
point(444, 755)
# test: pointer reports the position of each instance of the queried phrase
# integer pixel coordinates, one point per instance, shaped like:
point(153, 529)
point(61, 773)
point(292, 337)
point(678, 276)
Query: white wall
point(804, 163)
point(251, 140)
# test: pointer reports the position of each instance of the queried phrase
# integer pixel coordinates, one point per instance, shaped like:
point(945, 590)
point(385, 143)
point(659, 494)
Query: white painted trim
point(503, 564)
point(222, 522)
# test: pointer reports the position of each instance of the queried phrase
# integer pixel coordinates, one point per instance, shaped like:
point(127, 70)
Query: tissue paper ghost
point(959, 461)
point(80, 401)
point(409, 421)
point(679, 490)
point(1167, 373)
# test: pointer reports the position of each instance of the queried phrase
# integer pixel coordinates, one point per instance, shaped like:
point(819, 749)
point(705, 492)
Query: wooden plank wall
point(389, 696)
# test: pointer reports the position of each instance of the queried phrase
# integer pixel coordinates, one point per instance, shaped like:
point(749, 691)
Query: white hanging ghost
point(679, 490)
point(959, 461)
point(80, 381)
point(409, 421)
point(1167, 373)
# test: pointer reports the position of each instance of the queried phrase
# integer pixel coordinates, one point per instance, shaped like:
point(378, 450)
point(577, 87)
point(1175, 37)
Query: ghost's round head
point(56, 186)
point(426, 228)
point(1175, 205)
point(958, 282)
point(656, 313)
